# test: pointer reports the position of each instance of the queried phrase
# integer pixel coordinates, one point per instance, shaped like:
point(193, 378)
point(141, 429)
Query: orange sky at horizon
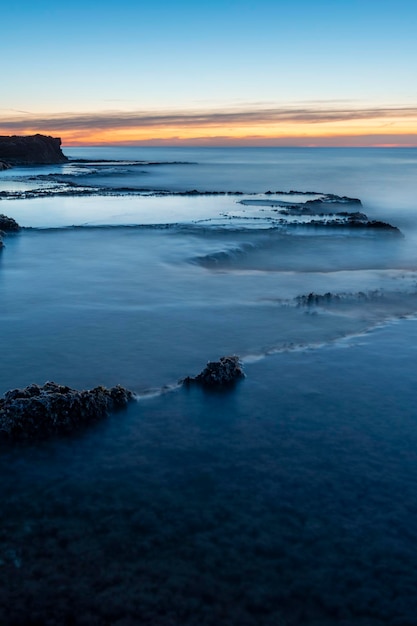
point(253, 128)
point(252, 137)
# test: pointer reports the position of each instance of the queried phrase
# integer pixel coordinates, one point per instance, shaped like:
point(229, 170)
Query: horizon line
point(280, 126)
point(135, 144)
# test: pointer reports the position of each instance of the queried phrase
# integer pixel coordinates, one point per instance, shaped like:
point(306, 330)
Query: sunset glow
point(387, 126)
point(277, 73)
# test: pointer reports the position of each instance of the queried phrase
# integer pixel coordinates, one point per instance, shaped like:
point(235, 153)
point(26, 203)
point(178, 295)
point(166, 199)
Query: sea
point(289, 499)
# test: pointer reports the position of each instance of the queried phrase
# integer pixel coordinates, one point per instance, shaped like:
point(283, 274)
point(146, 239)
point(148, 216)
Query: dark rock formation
point(221, 373)
point(38, 412)
point(8, 224)
point(312, 299)
point(361, 222)
point(32, 149)
point(356, 221)
point(331, 198)
point(381, 226)
point(4, 166)
point(319, 299)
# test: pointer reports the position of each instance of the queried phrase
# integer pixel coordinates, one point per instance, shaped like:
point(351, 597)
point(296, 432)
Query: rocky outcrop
point(8, 224)
point(223, 373)
point(317, 299)
point(31, 150)
point(331, 198)
point(37, 412)
point(328, 298)
point(4, 166)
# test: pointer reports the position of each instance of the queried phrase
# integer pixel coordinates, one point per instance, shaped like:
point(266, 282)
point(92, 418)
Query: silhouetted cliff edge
point(32, 149)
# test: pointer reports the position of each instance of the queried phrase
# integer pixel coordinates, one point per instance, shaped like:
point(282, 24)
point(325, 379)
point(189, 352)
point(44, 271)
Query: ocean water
point(289, 499)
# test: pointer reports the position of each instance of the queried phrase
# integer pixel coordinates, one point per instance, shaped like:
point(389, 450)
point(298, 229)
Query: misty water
point(289, 499)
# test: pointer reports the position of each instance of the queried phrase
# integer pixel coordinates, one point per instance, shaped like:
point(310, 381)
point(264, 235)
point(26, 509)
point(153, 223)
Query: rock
point(331, 198)
point(316, 299)
point(221, 373)
point(8, 224)
point(31, 149)
point(37, 412)
point(4, 166)
point(383, 226)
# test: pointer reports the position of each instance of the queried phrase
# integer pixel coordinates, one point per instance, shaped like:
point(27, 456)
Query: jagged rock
point(221, 373)
point(361, 222)
point(331, 198)
point(8, 224)
point(383, 226)
point(38, 412)
point(31, 149)
point(323, 299)
point(4, 166)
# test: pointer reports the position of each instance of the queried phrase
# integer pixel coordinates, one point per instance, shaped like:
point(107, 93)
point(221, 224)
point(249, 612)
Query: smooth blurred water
point(364, 172)
point(288, 500)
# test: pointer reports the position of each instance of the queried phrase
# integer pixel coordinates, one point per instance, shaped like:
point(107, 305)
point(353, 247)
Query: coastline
point(287, 499)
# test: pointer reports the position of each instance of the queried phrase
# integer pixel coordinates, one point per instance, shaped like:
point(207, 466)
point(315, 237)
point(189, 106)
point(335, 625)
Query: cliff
point(31, 150)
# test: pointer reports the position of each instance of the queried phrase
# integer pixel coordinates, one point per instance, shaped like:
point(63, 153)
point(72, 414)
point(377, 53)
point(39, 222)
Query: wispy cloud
point(115, 120)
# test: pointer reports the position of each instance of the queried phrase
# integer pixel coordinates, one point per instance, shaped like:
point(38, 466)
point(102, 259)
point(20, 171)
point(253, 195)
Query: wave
point(346, 340)
point(156, 392)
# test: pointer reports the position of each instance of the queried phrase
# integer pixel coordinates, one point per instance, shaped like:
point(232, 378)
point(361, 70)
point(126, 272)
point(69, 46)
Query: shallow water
point(287, 500)
point(145, 307)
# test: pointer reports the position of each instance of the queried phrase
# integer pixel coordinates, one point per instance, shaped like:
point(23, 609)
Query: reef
point(223, 373)
point(39, 412)
point(31, 150)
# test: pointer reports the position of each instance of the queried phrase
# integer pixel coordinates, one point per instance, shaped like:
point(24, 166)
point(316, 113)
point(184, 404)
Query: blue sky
point(97, 57)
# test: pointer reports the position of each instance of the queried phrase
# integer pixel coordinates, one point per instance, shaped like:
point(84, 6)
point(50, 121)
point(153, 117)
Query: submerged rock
point(8, 224)
point(221, 373)
point(38, 412)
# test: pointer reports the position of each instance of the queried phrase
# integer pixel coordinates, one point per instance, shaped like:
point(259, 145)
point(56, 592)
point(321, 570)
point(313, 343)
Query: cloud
point(117, 120)
point(365, 140)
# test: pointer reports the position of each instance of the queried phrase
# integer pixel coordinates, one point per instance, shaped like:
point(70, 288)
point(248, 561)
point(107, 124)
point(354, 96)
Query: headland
point(30, 150)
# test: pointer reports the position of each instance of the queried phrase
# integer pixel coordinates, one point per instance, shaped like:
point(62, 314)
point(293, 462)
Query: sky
point(230, 72)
